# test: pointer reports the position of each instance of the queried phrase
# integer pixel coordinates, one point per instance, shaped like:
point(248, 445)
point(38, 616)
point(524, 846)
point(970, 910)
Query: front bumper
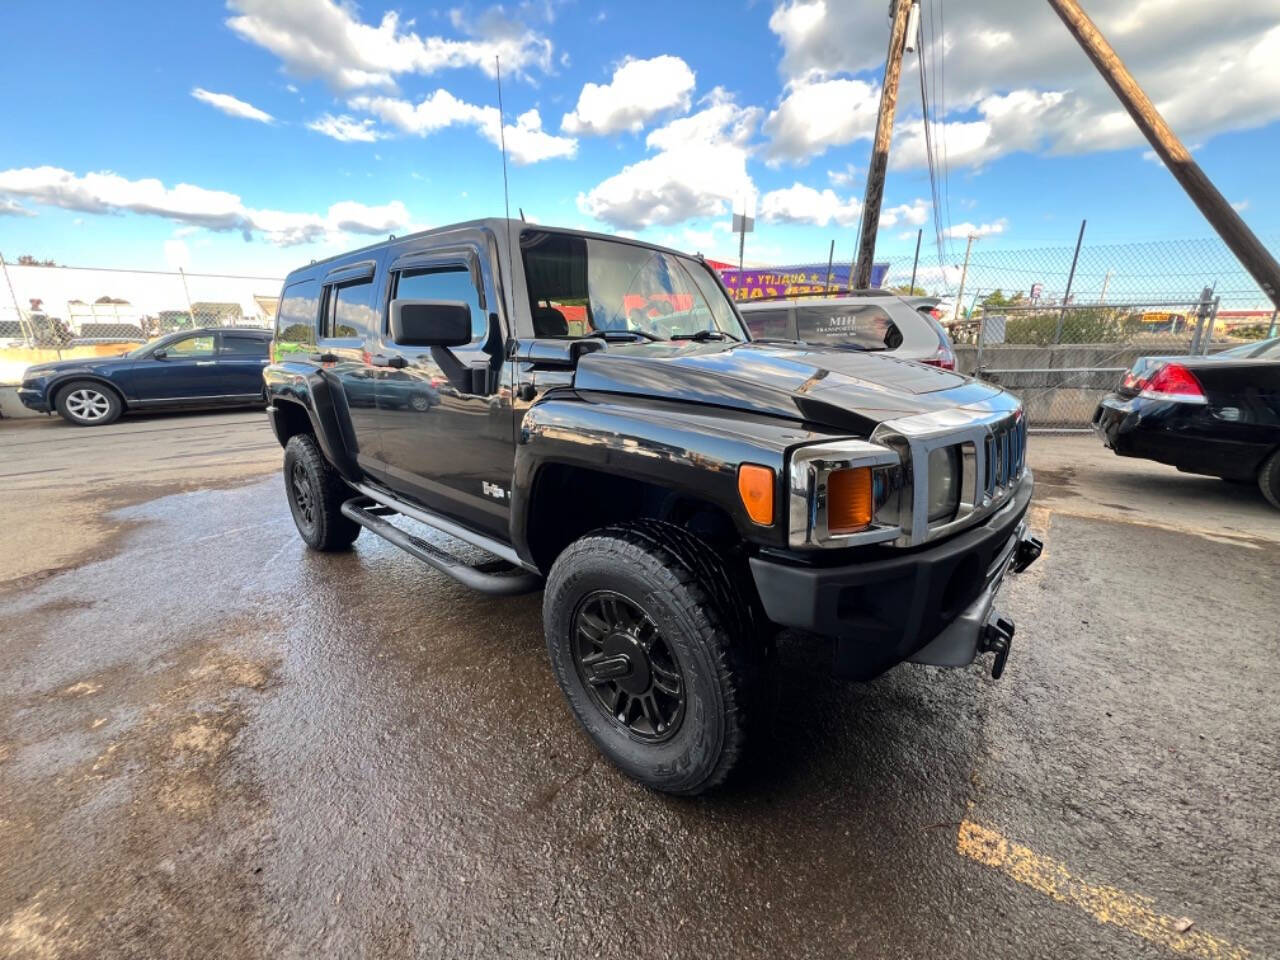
point(931, 605)
point(34, 400)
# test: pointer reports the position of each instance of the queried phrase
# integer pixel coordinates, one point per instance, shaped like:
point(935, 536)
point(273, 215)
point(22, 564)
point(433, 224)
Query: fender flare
point(325, 408)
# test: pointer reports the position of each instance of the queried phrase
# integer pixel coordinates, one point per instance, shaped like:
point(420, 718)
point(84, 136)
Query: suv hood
point(837, 388)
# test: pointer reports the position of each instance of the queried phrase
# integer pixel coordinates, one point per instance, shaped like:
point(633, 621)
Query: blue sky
point(695, 107)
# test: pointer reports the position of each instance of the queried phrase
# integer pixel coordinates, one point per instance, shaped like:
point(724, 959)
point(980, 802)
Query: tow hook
point(1028, 552)
point(997, 637)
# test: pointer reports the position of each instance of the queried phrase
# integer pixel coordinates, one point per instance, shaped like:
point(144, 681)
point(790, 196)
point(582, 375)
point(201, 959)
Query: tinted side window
point(453, 282)
point(233, 347)
point(767, 323)
point(296, 320)
point(861, 325)
point(348, 310)
point(191, 347)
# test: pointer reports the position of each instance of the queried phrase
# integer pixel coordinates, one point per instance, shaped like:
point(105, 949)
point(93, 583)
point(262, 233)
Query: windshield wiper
point(609, 335)
point(702, 336)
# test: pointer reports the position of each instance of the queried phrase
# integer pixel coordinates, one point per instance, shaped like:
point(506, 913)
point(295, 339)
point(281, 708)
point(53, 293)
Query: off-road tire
point(316, 494)
point(79, 402)
point(689, 594)
point(1269, 479)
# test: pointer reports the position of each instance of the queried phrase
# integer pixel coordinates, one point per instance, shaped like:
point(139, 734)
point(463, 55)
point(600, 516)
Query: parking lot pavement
point(213, 742)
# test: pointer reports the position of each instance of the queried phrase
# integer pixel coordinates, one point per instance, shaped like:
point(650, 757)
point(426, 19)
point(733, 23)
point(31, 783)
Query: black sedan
point(193, 369)
point(1216, 415)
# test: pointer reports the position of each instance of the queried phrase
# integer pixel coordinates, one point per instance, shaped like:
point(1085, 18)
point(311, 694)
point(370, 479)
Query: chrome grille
point(1005, 455)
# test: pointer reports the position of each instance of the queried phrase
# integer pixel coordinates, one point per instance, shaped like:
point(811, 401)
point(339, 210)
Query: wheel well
point(568, 501)
point(290, 419)
point(60, 387)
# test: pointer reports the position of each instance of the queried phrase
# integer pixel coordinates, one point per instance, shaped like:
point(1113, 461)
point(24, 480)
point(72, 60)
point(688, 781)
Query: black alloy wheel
point(304, 495)
point(627, 665)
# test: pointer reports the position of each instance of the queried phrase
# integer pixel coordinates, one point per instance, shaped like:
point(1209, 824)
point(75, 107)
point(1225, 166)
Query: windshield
point(583, 287)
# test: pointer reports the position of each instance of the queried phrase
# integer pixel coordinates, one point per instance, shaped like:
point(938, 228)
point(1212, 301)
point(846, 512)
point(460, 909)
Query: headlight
point(843, 493)
point(944, 483)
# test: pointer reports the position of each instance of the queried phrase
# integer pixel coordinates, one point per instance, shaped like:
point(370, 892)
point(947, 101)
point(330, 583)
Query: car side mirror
point(158, 354)
point(430, 323)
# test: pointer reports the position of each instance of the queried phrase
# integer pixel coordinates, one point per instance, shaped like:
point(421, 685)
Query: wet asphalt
point(216, 743)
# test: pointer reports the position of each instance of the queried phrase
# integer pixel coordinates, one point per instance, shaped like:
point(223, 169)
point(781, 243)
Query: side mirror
point(430, 323)
point(158, 354)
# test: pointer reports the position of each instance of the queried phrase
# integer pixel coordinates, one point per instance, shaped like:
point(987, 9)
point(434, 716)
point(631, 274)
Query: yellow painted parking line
point(1111, 905)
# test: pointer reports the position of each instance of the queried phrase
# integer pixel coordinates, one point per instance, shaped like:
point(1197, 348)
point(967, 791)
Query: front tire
point(316, 494)
point(1269, 479)
point(87, 403)
point(653, 651)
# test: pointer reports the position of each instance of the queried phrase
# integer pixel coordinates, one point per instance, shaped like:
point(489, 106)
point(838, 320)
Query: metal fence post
point(1213, 319)
point(1271, 330)
point(982, 339)
point(1066, 297)
point(28, 333)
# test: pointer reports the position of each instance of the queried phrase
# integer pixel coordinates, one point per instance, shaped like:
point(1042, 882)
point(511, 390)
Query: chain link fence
point(1060, 328)
point(62, 308)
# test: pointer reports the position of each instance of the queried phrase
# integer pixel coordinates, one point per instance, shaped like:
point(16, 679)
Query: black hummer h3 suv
point(592, 414)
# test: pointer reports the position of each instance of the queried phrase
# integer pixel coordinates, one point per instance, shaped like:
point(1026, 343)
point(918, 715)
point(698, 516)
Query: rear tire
point(652, 648)
point(1269, 479)
point(316, 493)
point(87, 403)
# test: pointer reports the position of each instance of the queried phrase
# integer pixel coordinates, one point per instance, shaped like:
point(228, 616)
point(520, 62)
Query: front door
point(181, 371)
point(445, 412)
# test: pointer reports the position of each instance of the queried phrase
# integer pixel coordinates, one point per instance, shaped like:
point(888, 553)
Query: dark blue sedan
point(186, 370)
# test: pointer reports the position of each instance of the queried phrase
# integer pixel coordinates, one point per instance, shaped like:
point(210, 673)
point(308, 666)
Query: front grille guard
point(992, 441)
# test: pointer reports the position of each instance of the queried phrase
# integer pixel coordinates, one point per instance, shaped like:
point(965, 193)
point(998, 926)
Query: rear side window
point(452, 282)
point(348, 310)
point(296, 321)
point(253, 348)
point(767, 323)
point(858, 325)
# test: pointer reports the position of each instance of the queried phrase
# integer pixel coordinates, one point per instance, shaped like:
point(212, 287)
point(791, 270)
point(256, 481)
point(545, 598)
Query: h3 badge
point(493, 490)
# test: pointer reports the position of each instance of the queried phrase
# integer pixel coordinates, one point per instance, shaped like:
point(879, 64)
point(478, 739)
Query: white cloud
point(843, 178)
point(1208, 71)
point(964, 230)
point(323, 38)
point(232, 106)
point(526, 141)
point(12, 208)
point(818, 114)
point(110, 193)
point(698, 170)
point(346, 129)
point(1240, 206)
point(638, 92)
point(801, 204)
point(914, 214)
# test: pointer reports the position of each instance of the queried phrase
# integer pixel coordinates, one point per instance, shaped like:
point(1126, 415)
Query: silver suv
point(870, 320)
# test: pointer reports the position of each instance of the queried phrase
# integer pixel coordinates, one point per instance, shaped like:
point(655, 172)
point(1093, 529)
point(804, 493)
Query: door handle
point(396, 362)
point(205, 363)
point(325, 357)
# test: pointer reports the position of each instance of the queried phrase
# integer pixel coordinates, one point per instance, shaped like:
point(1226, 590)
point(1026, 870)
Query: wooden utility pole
point(1255, 257)
point(880, 150)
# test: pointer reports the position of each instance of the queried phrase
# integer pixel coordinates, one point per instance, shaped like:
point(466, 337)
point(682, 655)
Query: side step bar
point(497, 578)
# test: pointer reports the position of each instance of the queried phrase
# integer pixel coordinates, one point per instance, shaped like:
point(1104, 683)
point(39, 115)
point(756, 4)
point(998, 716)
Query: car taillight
point(944, 358)
point(1172, 381)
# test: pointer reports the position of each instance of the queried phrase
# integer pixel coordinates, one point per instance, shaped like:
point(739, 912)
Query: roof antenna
point(506, 195)
point(521, 209)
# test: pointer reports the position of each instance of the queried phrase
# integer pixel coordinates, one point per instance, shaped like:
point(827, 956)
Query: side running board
point(496, 577)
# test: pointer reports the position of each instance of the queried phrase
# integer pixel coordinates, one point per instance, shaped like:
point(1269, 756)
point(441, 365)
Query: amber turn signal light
point(848, 500)
point(755, 487)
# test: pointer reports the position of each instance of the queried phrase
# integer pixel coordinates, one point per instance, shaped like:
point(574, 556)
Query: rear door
point(179, 372)
point(346, 332)
point(241, 357)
